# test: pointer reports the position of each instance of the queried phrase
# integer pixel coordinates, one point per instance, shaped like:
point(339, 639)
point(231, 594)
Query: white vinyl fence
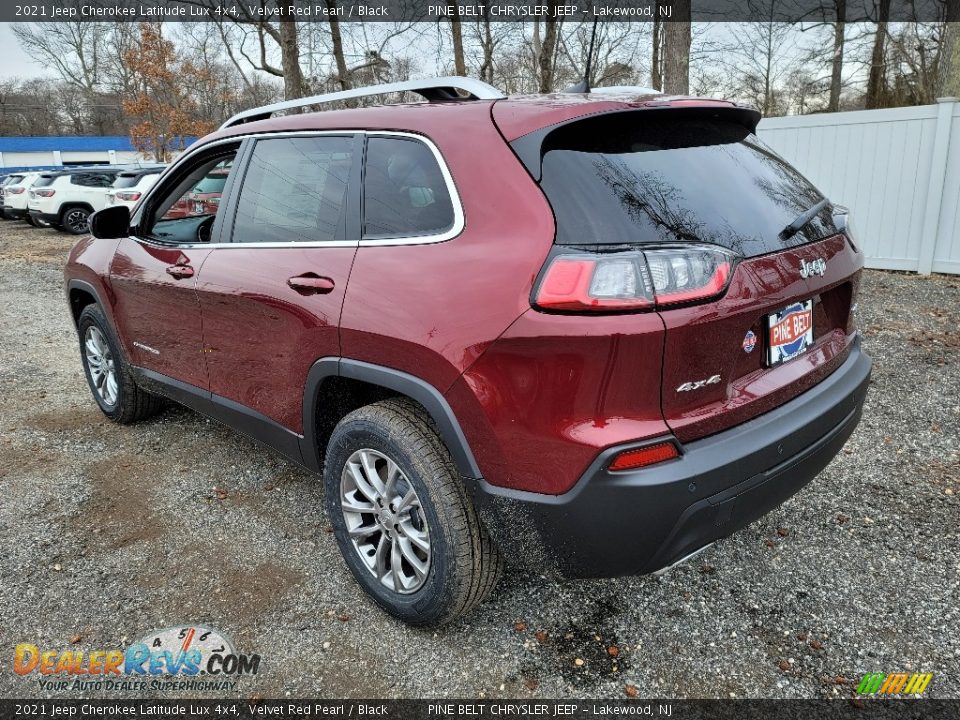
point(897, 170)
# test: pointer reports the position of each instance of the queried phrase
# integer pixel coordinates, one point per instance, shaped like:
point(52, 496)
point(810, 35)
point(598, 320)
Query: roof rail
point(433, 89)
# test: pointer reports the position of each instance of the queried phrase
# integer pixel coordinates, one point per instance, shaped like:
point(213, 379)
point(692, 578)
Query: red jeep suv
point(600, 331)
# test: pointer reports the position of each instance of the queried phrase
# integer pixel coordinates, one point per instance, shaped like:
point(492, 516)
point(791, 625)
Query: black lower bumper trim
point(613, 524)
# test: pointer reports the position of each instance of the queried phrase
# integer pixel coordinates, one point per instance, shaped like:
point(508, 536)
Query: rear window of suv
point(650, 177)
point(126, 181)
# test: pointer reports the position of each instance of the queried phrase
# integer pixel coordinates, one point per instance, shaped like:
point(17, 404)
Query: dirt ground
point(109, 532)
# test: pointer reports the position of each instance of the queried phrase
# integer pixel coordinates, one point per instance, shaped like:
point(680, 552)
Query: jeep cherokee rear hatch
point(685, 212)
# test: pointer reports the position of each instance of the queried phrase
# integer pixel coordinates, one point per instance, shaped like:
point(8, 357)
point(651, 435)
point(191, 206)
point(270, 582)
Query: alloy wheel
point(101, 364)
point(385, 521)
point(77, 221)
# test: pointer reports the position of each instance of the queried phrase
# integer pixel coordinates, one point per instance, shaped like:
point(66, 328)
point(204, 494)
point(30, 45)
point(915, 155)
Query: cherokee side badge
point(697, 384)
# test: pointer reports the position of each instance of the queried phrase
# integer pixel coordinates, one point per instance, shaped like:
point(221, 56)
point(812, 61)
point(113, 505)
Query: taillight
point(632, 280)
point(642, 457)
point(44, 193)
point(128, 196)
point(15, 190)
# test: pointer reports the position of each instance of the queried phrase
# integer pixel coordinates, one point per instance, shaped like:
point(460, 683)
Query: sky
point(16, 63)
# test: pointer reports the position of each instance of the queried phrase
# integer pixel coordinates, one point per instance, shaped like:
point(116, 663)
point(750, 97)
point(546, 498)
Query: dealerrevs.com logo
point(174, 658)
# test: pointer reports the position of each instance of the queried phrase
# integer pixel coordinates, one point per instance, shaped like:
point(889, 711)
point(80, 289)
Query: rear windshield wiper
point(802, 219)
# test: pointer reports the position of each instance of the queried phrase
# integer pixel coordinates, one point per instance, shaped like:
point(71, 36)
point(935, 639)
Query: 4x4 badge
point(815, 267)
point(695, 384)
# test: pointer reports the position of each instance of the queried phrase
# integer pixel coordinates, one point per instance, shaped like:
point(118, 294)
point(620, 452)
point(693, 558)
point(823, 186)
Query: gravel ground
point(111, 531)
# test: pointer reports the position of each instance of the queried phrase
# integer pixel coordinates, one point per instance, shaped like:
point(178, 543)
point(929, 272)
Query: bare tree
point(948, 75)
point(676, 50)
point(547, 59)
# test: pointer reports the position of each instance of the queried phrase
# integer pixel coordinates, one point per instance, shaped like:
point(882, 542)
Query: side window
point(404, 192)
point(295, 190)
point(185, 211)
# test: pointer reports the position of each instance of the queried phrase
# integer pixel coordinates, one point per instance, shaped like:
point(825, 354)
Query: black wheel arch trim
point(413, 387)
point(86, 287)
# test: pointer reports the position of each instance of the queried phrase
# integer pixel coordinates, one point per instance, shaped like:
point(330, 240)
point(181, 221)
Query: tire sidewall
point(92, 316)
point(431, 602)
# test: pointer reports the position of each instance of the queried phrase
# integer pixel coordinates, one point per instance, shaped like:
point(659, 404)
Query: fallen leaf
point(631, 691)
point(842, 518)
point(840, 680)
point(531, 684)
point(520, 627)
point(784, 665)
point(816, 645)
point(802, 637)
point(221, 494)
point(769, 543)
point(75, 639)
point(782, 532)
point(541, 636)
point(343, 617)
point(613, 651)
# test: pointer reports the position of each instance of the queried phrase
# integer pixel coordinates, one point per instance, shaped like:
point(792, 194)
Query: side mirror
point(111, 223)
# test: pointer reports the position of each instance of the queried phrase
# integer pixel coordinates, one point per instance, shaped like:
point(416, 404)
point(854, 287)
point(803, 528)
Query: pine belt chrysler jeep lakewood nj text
point(600, 331)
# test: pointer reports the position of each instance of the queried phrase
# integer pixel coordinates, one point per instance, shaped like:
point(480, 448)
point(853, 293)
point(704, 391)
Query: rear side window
point(295, 190)
point(92, 180)
point(404, 191)
point(125, 181)
point(652, 177)
point(43, 181)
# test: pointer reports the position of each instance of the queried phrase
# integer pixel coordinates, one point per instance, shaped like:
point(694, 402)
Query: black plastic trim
point(413, 387)
point(232, 414)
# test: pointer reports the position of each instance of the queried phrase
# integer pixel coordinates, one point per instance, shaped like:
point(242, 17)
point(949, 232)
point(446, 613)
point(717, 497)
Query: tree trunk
point(486, 69)
point(459, 63)
point(948, 72)
point(676, 50)
point(546, 55)
point(656, 71)
point(290, 59)
point(343, 75)
point(836, 69)
point(876, 81)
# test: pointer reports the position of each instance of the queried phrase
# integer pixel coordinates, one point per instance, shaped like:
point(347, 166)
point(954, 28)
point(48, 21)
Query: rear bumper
point(51, 218)
point(14, 213)
point(627, 523)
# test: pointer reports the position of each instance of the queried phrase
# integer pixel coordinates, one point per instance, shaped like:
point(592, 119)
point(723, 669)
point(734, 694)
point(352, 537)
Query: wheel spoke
point(362, 531)
point(353, 506)
point(370, 471)
point(396, 568)
point(419, 566)
point(409, 501)
point(417, 537)
point(365, 488)
point(380, 558)
point(393, 474)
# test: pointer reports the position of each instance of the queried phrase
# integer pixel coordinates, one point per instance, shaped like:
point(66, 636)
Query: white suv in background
point(67, 198)
point(130, 185)
point(15, 197)
point(6, 182)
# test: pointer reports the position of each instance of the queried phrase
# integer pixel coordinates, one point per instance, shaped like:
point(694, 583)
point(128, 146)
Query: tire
point(460, 567)
point(120, 400)
point(75, 220)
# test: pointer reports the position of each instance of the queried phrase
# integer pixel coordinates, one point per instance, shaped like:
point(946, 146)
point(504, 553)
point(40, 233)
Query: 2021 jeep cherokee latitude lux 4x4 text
point(600, 331)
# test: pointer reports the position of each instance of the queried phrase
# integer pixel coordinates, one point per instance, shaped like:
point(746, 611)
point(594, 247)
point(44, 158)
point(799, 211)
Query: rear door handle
point(311, 284)
point(180, 271)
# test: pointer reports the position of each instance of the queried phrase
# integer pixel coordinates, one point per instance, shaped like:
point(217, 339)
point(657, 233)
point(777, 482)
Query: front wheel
point(402, 518)
point(108, 374)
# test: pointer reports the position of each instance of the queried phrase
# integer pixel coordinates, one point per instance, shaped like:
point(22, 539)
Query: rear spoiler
point(529, 147)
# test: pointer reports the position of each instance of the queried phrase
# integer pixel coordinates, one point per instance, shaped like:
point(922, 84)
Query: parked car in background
point(8, 180)
point(15, 196)
point(204, 198)
point(67, 198)
point(130, 185)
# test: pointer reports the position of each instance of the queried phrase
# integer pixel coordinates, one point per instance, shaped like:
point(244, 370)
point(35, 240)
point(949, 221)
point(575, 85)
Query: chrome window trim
point(459, 221)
